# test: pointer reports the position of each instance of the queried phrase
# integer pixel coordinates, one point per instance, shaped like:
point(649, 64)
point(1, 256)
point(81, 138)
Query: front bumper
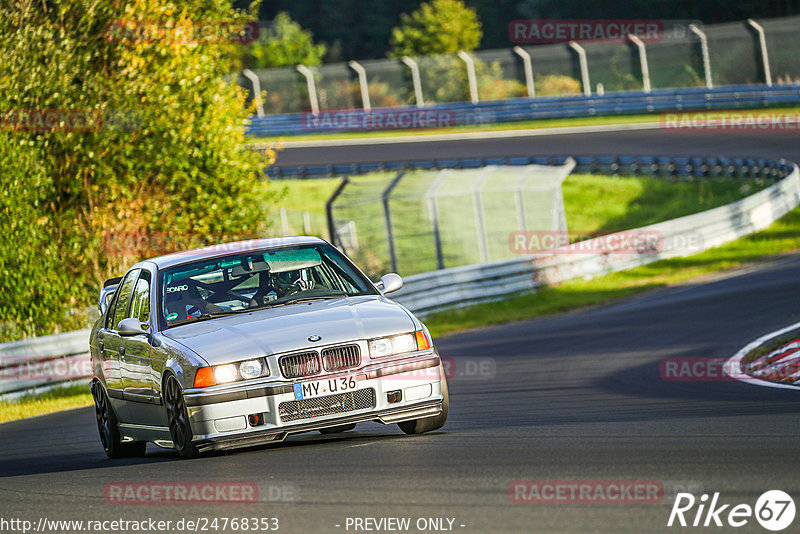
point(220, 419)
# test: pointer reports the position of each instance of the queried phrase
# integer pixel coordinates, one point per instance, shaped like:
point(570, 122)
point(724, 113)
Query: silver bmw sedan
point(245, 343)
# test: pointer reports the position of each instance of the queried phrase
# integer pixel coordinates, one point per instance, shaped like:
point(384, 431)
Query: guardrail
point(524, 109)
point(51, 360)
point(44, 361)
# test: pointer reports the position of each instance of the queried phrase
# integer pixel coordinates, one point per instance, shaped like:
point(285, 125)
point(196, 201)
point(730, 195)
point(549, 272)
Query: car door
point(137, 382)
point(110, 343)
point(140, 373)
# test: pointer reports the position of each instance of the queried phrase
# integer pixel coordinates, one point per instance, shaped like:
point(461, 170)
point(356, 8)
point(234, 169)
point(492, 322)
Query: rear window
point(119, 310)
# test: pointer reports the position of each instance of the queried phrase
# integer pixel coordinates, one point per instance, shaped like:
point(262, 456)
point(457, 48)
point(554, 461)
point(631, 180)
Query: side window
point(121, 300)
point(140, 305)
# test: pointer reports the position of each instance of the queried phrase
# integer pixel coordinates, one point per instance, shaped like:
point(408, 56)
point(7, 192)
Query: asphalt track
point(577, 396)
point(648, 142)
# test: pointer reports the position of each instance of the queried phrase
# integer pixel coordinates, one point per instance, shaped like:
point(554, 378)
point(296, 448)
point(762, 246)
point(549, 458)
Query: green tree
point(437, 27)
point(286, 44)
point(32, 295)
point(159, 147)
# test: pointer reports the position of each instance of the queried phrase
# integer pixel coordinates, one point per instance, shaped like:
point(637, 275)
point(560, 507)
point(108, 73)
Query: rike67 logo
point(774, 510)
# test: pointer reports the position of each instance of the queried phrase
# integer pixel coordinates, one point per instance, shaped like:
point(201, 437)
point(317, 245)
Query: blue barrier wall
point(522, 109)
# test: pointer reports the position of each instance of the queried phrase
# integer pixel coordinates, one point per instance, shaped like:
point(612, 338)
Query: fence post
point(306, 223)
point(480, 221)
point(433, 210)
point(387, 219)
point(284, 222)
point(471, 78)
point(587, 86)
point(329, 210)
point(704, 50)
point(762, 42)
point(559, 219)
point(411, 64)
point(312, 88)
point(526, 62)
point(642, 61)
point(362, 81)
point(250, 75)
point(520, 198)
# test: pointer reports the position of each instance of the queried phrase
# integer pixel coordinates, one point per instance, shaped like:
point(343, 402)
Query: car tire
point(108, 427)
point(337, 429)
point(178, 418)
point(426, 424)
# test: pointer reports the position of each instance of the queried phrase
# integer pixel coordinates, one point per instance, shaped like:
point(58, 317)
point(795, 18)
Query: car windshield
point(257, 279)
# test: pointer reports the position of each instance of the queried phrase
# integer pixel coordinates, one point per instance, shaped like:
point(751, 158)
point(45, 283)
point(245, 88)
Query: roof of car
point(224, 249)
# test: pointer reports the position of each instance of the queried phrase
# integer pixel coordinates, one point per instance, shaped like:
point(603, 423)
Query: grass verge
point(592, 202)
point(522, 125)
point(781, 237)
point(55, 400)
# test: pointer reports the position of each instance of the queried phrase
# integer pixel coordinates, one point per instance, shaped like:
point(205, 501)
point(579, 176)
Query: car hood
point(288, 328)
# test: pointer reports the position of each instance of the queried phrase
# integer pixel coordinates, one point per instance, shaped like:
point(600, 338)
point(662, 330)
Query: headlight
point(404, 343)
point(251, 369)
point(225, 373)
point(230, 372)
point(380, 347)
point(387, 346)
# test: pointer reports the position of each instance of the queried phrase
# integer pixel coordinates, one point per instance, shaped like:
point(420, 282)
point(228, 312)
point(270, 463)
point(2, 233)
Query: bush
point(557, 84)
point(166, 153)
point(444, 79)
point(492, 85)
point(32, 293)
point(380, 95)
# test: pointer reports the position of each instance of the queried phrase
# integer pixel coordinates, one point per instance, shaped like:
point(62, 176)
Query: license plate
point(326, 386)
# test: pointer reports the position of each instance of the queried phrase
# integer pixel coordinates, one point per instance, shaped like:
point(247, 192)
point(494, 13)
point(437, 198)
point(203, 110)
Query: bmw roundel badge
point(314, 338)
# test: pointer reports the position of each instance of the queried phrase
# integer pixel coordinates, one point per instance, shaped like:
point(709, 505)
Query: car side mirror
point(389, 283)
point(130, 327)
